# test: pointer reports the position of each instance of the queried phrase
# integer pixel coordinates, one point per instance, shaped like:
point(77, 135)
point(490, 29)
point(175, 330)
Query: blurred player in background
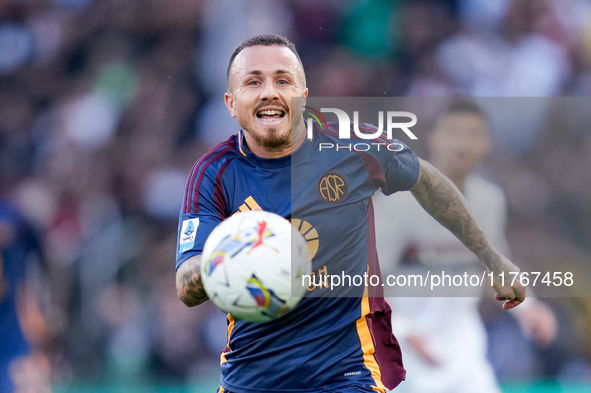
point(443, 339)
point(21, 325)
point(342, 345)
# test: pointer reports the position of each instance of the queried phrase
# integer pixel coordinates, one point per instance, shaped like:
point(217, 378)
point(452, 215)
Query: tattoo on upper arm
point(188, 282)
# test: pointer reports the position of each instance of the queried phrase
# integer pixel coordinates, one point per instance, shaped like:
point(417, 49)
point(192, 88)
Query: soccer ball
point(252, 266)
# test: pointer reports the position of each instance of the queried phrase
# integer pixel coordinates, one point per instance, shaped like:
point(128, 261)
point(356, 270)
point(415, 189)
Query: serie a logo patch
point(187, 237)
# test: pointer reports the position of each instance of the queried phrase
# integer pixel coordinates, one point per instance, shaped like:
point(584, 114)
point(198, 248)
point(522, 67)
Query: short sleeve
point(202, 210)
point(392, 166)
point(401, 169)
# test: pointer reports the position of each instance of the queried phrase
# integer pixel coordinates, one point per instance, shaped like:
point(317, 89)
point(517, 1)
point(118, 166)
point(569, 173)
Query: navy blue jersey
point(326, 341)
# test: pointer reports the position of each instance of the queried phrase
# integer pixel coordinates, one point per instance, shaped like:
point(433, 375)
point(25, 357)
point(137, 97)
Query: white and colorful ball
point(252, 266)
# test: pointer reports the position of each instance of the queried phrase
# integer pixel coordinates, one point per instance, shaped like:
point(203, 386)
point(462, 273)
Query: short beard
point(271, 141)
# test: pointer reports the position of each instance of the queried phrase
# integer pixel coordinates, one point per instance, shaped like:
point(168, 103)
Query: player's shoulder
point(206, 169)
point(220, 153)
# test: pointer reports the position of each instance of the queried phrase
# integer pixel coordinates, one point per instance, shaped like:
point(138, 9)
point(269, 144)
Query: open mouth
point(270, 114)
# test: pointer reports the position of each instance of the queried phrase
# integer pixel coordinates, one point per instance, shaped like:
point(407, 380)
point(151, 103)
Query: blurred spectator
point(516, 59)
point(443, 338)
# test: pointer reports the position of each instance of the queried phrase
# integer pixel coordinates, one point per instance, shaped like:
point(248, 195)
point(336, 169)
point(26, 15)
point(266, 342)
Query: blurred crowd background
point(106, 104)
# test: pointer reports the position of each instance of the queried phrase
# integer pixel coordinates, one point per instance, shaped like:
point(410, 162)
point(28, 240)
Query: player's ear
point(230, 104)
point(303, 100)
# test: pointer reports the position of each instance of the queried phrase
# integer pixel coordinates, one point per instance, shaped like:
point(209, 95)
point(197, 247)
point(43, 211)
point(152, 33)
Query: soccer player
point(443, 338)
point(325, 343)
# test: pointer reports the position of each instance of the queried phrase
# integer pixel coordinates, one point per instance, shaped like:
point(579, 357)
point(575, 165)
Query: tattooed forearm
point(189, 287)
point(442, 200)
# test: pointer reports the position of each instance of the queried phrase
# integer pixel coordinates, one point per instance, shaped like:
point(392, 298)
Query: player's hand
point(538, 322)
point(509, 290)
